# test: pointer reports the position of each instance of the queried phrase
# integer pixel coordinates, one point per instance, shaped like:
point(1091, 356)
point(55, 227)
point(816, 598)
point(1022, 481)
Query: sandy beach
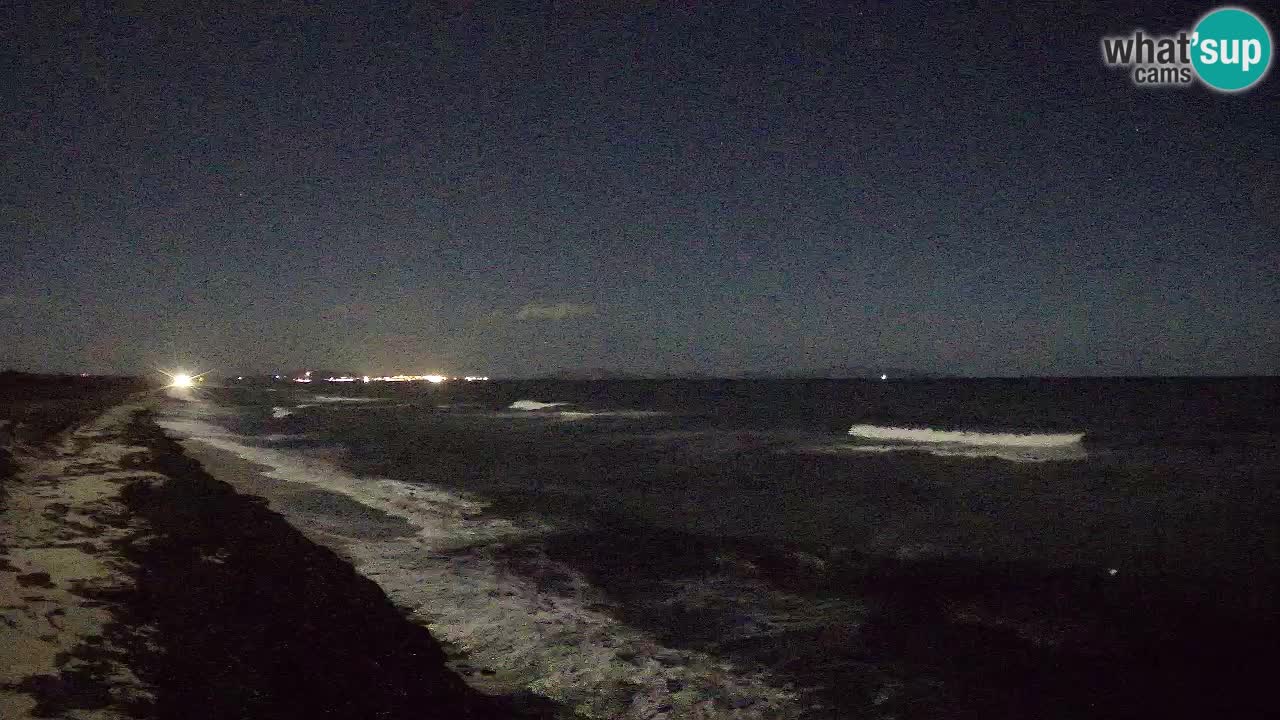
point(63, 572)
point(134, 584)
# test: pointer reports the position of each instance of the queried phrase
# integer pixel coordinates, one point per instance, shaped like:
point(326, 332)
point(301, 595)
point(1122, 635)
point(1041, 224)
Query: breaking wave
point(533, 405)
point(588, 414)
point(280, 413)
point(282, 437)
point(565, 645)
point(1013, 447)
point(549, 411)
point(344, 399)
point(965, 437)
point(955, 450)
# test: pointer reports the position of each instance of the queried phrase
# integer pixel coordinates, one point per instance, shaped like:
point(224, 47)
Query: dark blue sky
point(715, 187)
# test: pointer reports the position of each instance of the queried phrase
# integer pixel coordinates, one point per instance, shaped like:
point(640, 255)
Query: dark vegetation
point(36, 407)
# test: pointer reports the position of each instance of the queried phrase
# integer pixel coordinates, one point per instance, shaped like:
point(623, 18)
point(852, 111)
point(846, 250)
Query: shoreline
point(208, 585)
point(967, 634)
point(568, 643)
point(188, 599)
point(285, 497)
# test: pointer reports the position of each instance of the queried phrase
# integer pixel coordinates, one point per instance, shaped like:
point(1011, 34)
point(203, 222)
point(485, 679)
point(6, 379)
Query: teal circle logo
point(1231, 49)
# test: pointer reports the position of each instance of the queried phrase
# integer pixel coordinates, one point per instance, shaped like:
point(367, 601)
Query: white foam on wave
point(588, 414)
point(536, 405)
point(1013, 447)
point(344, 399)
point(977, 452)
point(280, 413)
point(533, 405)
point(965, 437)
point(558, 645)
point(281, 437)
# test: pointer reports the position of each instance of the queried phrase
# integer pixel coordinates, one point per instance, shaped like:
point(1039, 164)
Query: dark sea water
point(729, 549)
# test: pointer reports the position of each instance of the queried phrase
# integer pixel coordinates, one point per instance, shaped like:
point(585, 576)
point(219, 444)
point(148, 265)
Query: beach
point(134, 584)
point(643, 550)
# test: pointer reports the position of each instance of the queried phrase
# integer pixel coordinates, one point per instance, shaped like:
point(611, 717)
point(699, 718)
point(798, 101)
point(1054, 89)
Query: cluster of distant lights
point(434, 379)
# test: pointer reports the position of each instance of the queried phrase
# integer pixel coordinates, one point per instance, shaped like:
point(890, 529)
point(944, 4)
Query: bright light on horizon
point(182, 378)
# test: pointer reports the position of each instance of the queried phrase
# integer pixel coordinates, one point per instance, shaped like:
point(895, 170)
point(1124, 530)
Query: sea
point(1047, 548)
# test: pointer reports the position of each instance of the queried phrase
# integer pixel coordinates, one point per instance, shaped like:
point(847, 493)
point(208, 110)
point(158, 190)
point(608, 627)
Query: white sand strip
point(61, 529)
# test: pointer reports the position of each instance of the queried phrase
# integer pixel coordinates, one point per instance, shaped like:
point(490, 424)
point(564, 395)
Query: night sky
point(650, 187)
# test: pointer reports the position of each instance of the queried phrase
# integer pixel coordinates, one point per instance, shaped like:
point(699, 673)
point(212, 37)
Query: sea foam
point(564, 646)
point(1015, 454)
point(1014, 447)
point(533, 405)
point(965, 437)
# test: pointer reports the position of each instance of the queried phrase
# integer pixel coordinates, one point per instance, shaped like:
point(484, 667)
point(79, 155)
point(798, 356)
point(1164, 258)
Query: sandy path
point(64, 532)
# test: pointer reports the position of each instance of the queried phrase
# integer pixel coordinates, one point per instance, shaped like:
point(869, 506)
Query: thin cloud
point(553, 311)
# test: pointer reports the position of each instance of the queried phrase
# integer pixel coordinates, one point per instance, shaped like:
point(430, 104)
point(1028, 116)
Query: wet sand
point(336, 521)
point(135, 584)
